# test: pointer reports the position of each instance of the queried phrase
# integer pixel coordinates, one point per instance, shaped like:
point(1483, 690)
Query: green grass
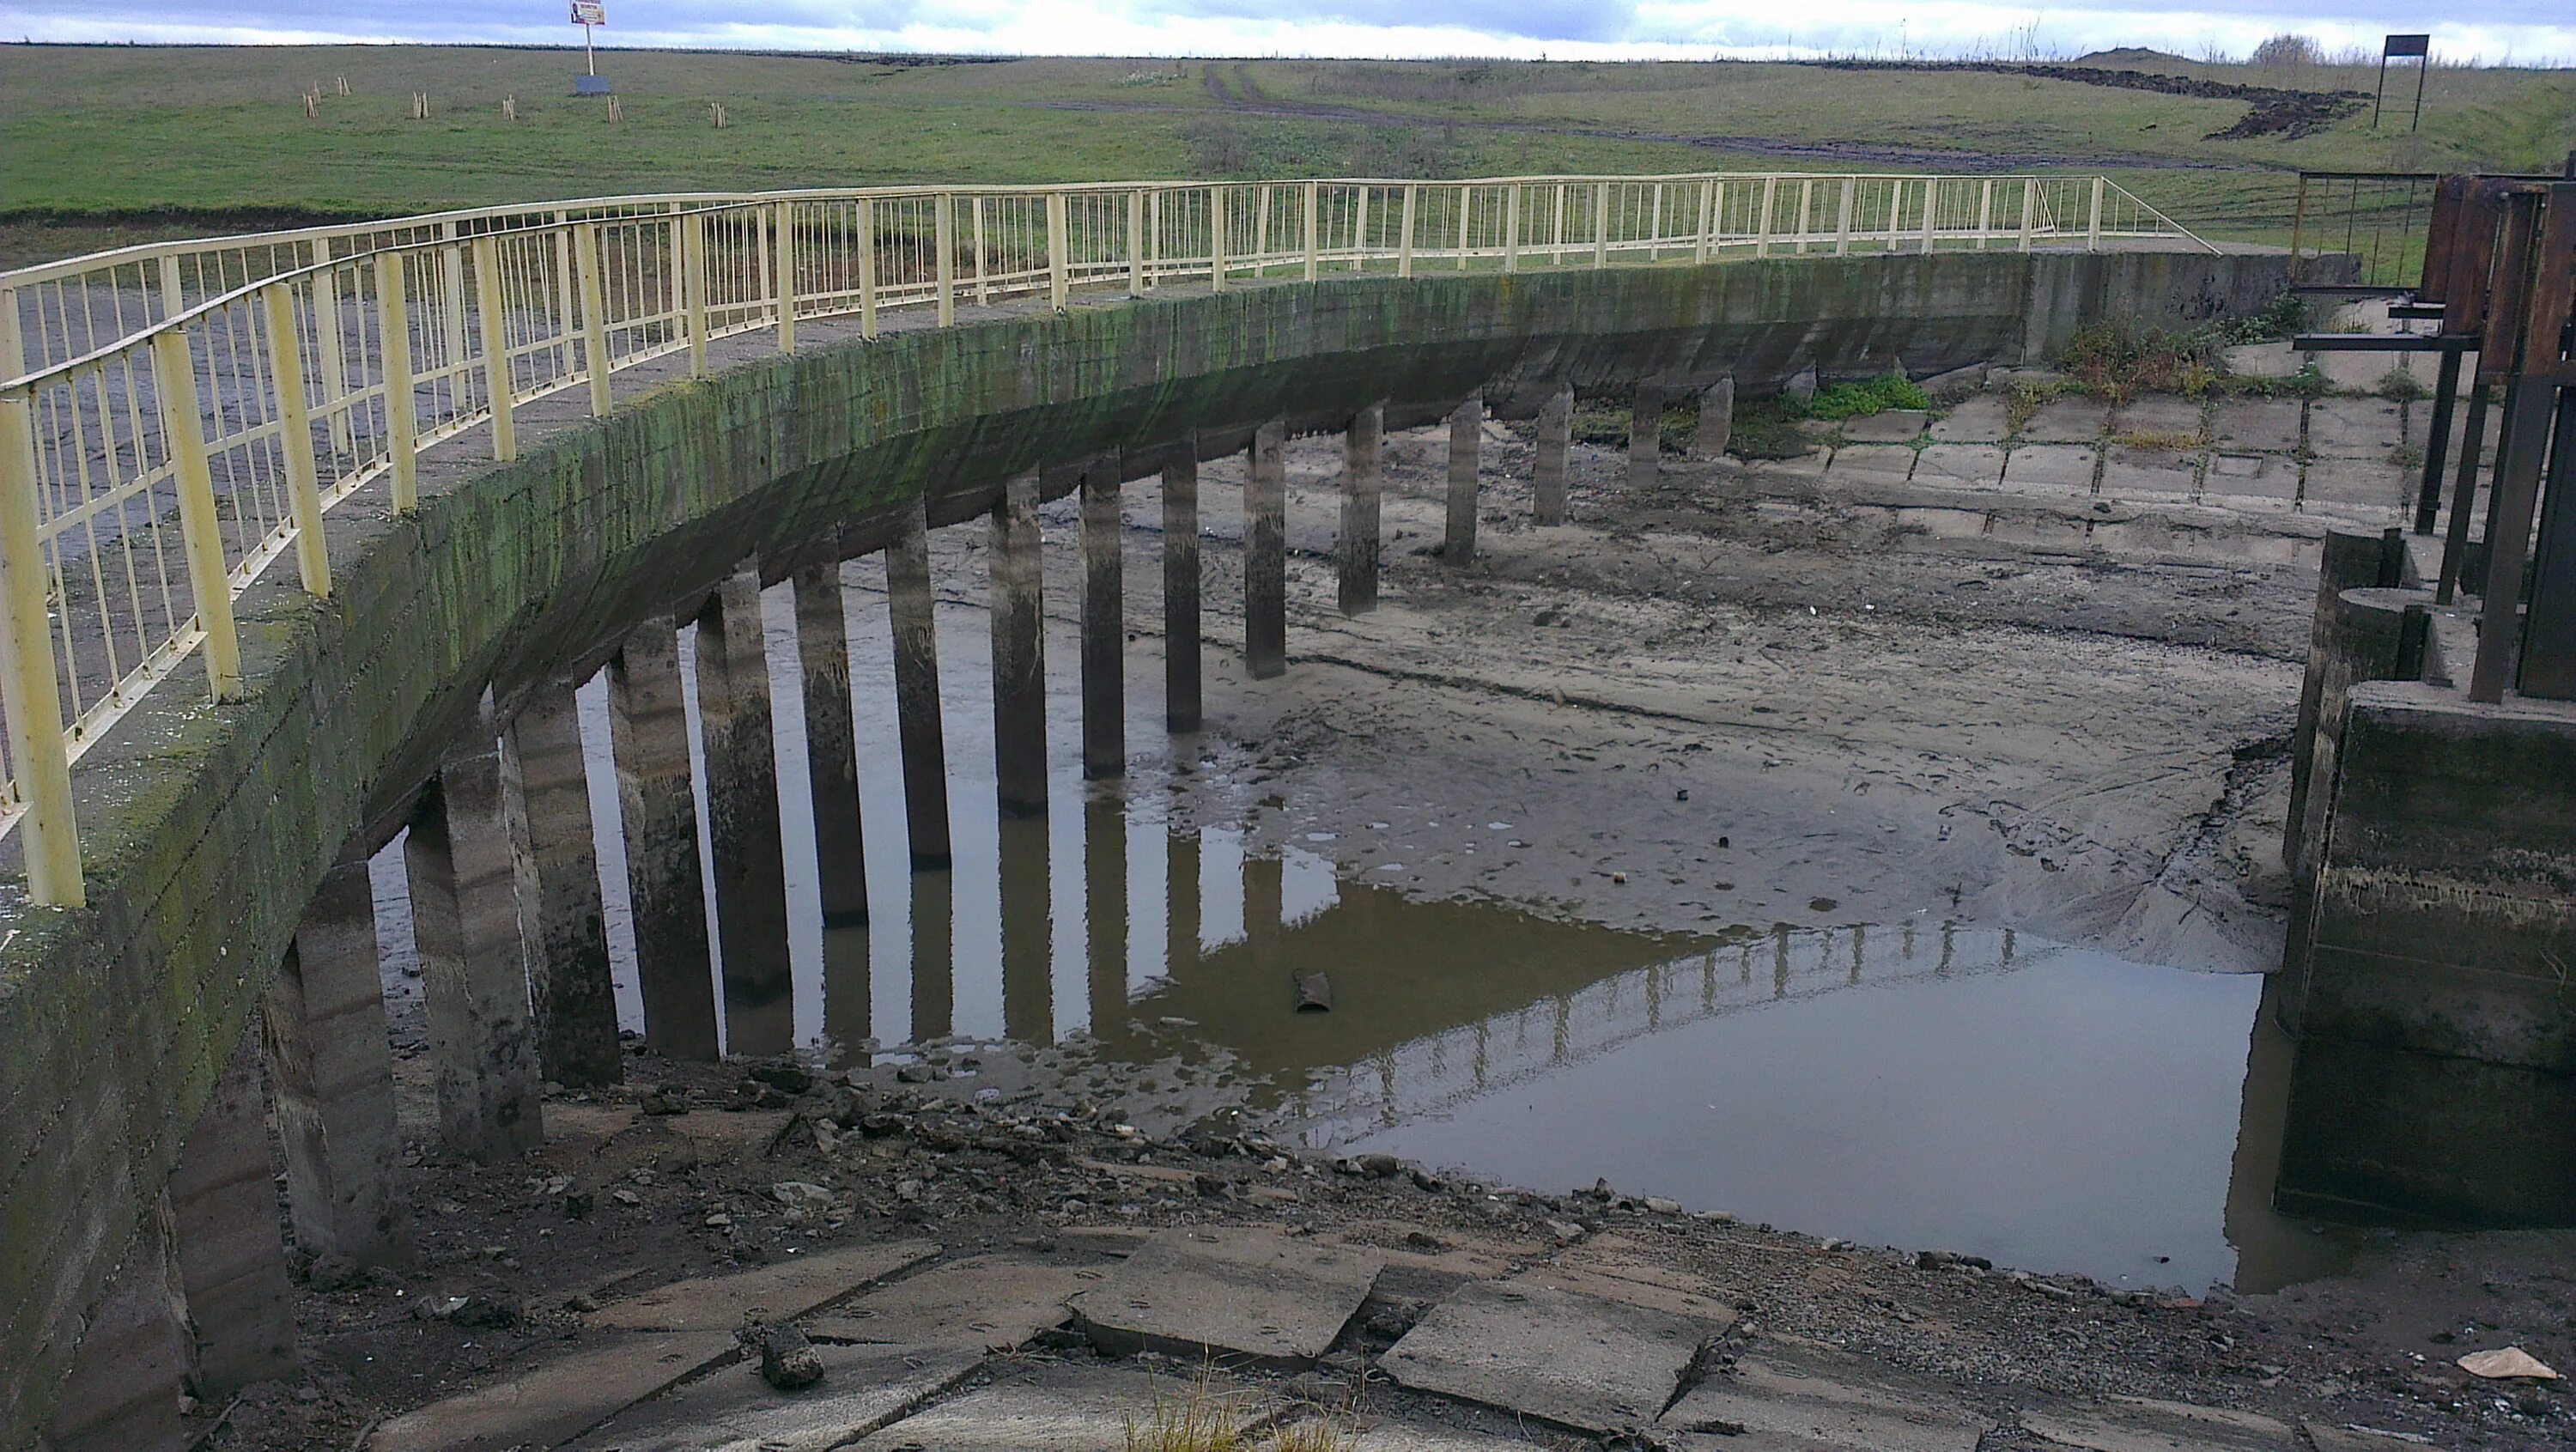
point(152, 139)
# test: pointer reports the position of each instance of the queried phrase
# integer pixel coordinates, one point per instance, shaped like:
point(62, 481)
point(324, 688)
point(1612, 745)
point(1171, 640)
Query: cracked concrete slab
point(1888, 426)
point(556, 1400)
point(2133, 1424)
point(2160, 413)
point(1984, 419)
point(1254, 1294)
point(1797, 1403)
point(1978, 466)
point(778, 1292)
point(1871, 464)
point(2360, 483)
point(2255, 425)
point(733, 1410)
point(2355, 428)
point(2251, 481)
point(1565, 1357)
point(989, 1302)
point(2150, 474)
point(2075, 420)
point(1054, 1407)
point(2059, 469)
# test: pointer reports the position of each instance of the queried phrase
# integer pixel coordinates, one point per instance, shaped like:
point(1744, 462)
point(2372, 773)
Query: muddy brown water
point(1919, 1083)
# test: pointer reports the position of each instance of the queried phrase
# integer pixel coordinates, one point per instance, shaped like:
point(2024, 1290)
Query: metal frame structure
point(177, 417)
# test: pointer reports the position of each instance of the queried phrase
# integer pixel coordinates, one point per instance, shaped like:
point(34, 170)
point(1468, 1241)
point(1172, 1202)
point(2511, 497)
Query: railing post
point(1310, 230)
point(1404, 243)
point(496, 347)
point(1511, 226)
point(594, 316)
point(1843, 221)
point(13, 340)
point(2029, 209)
point(326, 346)
point(1059, 287)
point(1762, 227)
point(173, 299)
point(1466, 212)
point(393, 341)
point(295, 435)
point(1806, 214)
point(1600, 224)
point(2298, 226)
point(174, 377)
point(28, 693)
point(452, 274)
point(1136, 243)
point(943, 240)
point(1216, 237)
point(1932, 209)
point(693, 283)
point(2093, 226)
point(1360, 232)
point(782, 220)
point(1710, 192)
point(867, 241)
point(1985, 211)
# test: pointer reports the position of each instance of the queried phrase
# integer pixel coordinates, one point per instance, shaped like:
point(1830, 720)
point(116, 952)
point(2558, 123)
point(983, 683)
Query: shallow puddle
point(1920, 1084)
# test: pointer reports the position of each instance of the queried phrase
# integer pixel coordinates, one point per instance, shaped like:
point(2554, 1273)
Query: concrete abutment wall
point(209, 831)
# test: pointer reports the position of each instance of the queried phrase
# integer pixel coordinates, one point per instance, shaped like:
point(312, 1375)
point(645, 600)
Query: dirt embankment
point(2270, 110)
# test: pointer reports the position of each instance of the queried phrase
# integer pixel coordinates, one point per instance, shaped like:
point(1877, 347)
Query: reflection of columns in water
point(1708, 982)
point(1908, 946)
point(934, 983)
point(1563, 1035)
point(546, 800)
point(742, 820)
point(1654, 997)
point(1104, 623)
point(1181, 890)
point(848, 1006)
point(2006, 959)
point(1483, 1055)
point(1265, 553)
point(1019, 651)
point(1949, 945)
point(648, 729)
point(831, 743)
point(1860, 934)
point(1264, 891)
point(1028, 948)
point(916, 690)
point(1744, 965)
point(1104, 908)
point(1780, 960)
point(1181, 590)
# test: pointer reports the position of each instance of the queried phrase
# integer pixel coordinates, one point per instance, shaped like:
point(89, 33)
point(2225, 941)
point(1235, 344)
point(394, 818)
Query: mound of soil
point(2271, 110)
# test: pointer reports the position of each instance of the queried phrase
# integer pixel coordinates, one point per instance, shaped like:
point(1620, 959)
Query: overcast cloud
point(2526, 30)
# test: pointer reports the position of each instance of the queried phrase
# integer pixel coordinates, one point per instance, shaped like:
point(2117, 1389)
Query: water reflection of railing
point(1433, 1075)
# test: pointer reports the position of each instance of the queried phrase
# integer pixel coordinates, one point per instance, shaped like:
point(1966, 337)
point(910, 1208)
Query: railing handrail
point(149, 479)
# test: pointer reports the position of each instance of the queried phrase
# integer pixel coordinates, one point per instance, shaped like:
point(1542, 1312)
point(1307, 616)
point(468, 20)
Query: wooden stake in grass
point(616, 112)
point(420, 105)
point(312, 104)
point(716, 113)
point(343, 83)
point(509, 108)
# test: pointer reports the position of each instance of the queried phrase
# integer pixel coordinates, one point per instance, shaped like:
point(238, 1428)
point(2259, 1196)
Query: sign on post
point(2418, 48)
point(588, 14)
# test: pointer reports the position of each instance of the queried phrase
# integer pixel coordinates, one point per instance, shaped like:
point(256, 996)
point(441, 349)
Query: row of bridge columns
point(507, 905)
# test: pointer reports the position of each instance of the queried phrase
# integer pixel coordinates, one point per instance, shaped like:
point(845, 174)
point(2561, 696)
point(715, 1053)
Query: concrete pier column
point(330, 1068)
point(1466, 445)
point(1645, 436)
point(1363, 488)
point(1716, 419)
point(916, 690)
point(546, 800)
point(1104, 625)
point(831, 743)
point(1104, 909)
point(1265, 553)
point(1017, 606)
point(465, 921)
point(1181, 710)
point(1028, 943)
point(648, 728)
point(131, 1368)
point(934, 974)
point(232, 1250)
point(1555, 437)
point(742, 820)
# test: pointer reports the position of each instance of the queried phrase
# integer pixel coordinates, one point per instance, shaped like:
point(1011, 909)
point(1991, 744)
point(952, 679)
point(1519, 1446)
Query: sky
point(2528, 31)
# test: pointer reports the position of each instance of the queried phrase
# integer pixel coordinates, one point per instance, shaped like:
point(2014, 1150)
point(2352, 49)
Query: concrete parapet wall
point(207, 830)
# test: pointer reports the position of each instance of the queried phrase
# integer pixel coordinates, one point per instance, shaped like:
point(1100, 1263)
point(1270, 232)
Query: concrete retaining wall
point(206, 830)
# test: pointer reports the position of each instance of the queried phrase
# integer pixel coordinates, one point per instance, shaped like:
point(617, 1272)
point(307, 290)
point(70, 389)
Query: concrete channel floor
point(1598, 1349)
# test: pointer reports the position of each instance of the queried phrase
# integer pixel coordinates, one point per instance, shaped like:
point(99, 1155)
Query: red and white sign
point(589, 12)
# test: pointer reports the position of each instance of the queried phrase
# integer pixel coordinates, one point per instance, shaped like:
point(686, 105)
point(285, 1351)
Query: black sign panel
point(2406, 45)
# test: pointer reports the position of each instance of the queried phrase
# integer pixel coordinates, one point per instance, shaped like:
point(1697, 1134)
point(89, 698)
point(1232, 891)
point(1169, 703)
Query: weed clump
point(1874, 395)
point(2399, 386)
point(2110, 360)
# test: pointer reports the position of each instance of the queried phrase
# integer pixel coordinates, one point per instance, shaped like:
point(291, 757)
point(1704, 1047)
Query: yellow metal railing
point(150, 474)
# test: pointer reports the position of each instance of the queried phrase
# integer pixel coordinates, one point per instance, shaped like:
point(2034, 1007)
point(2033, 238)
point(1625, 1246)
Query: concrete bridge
point(418, 671)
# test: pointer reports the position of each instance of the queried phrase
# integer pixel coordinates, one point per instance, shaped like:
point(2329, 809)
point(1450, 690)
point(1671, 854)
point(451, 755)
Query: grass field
point(102, 144)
